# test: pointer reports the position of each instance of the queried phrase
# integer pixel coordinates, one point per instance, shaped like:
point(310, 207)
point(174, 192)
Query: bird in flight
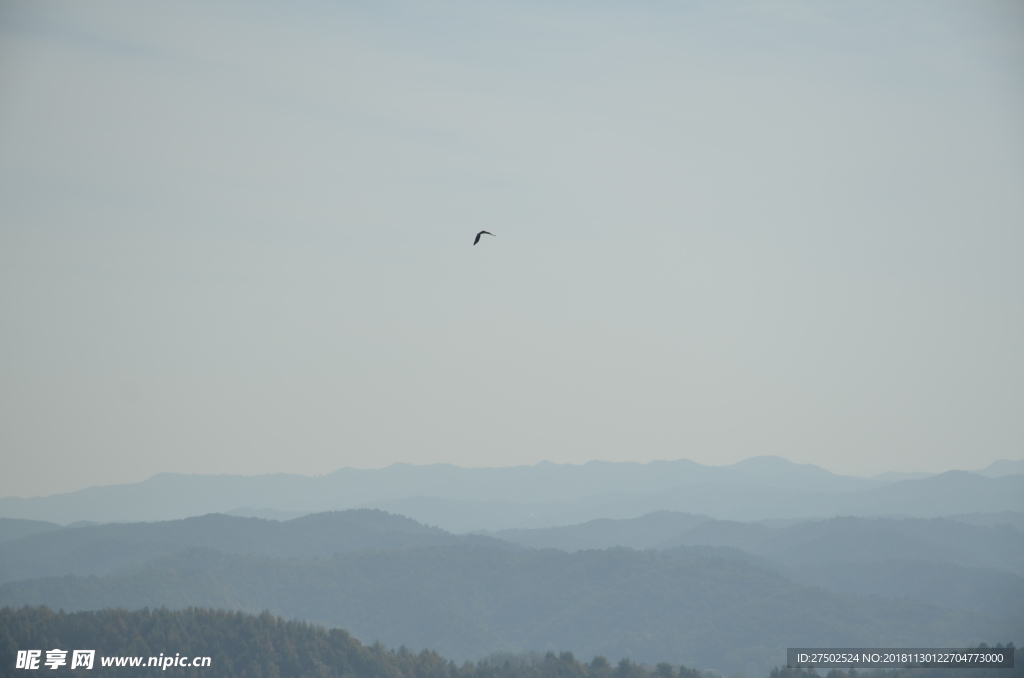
point(480, 234)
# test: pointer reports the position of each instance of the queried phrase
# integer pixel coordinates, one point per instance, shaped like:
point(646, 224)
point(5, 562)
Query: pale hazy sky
point(235, 235)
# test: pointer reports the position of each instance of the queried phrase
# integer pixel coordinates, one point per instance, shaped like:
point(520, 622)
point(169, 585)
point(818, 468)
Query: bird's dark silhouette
point(480, 234)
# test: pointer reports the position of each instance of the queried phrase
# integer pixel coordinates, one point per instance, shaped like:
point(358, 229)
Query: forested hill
point(241, 645)
point(465, 602)
point(248, 646)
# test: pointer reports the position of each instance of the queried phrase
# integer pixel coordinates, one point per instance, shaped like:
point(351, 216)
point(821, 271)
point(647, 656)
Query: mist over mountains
point(469, 499)
point(716, 567)
point(718, 594)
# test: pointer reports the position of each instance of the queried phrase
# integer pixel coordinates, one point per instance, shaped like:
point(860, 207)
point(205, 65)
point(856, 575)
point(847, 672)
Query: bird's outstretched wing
point(477, 239)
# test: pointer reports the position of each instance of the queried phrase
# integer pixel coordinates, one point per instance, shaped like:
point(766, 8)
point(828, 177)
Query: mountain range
point(546, 494)
point(718, 594)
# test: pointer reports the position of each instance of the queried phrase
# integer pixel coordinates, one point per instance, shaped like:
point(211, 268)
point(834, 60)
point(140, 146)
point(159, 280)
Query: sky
point(235, 237)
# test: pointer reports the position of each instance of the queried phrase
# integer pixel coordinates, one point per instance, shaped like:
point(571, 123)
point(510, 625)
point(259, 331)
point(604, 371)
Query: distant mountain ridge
point(639, 533)
point(951, 493)
point(167, 495)
point(104, 549)
point(15, 528)
point(846, 539)
point(766, 487)
point(1002, 467)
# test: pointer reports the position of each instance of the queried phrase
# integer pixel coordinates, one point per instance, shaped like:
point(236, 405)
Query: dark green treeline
point(242, 645)
point(265, 646)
